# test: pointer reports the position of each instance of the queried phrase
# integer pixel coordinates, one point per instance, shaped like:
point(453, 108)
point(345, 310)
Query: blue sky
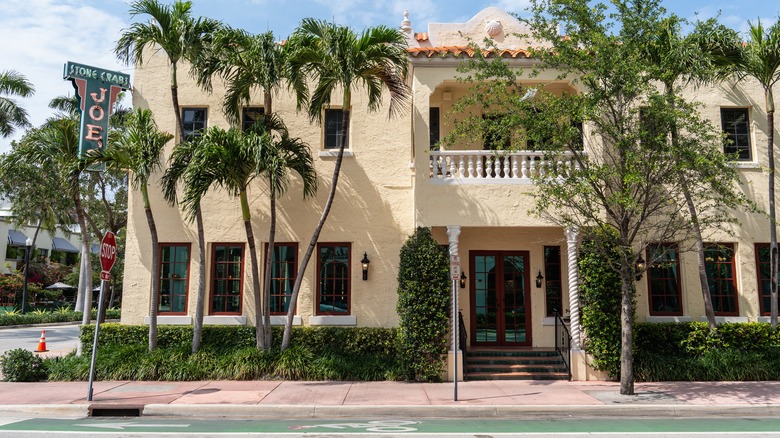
point(39, 36)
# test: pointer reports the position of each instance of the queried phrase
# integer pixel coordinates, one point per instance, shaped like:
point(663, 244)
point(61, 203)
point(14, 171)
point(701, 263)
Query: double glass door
point(500, 298)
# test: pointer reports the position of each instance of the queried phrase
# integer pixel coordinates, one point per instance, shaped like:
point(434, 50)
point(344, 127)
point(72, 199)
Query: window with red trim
point(333, 274)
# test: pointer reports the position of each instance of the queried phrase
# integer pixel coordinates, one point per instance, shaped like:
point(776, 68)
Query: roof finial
point(406, 25)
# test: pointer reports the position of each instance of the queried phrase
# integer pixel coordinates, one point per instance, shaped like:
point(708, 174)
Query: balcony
point(494, 167)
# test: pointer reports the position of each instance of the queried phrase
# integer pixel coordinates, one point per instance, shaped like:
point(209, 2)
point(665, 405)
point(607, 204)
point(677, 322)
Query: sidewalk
point(295, 399)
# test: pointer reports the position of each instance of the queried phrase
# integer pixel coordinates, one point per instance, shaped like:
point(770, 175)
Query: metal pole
point(26, 271)
point(103, 284)
point(455, 327)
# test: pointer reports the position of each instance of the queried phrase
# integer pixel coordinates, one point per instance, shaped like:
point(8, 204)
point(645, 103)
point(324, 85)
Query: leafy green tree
point(423, 306)
point(757, 58)
point(138, 152)
point(334, 57)
point(181, 37)
point(12, 115)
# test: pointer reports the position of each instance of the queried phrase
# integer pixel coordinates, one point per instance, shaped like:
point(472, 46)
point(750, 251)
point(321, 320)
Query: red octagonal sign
point(107, 254)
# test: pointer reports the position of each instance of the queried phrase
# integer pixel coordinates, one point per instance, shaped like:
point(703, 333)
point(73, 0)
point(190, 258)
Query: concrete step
point(517, 376)
point(509, 368)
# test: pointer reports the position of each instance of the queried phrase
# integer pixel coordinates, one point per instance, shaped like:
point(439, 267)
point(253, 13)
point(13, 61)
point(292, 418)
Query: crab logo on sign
point(107, 255)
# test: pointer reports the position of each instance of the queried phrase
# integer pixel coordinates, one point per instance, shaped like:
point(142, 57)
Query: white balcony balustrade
point(495, 167)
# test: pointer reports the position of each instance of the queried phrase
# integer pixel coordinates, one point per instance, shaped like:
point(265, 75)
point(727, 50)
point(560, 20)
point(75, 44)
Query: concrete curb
point(46, 410)
point(452, 411)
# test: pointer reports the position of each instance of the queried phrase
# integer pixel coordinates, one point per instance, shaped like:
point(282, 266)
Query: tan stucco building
point(393, 181)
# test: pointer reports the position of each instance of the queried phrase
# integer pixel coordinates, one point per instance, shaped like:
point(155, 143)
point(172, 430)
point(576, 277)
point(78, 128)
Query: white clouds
point(39, 36)
point(516, 6)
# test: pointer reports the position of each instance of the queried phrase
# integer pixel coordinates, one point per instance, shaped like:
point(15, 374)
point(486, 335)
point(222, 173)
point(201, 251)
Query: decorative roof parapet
point(467, 51)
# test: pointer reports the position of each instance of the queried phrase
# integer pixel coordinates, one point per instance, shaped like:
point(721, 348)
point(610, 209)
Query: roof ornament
point(493, 28)
point(406, 25)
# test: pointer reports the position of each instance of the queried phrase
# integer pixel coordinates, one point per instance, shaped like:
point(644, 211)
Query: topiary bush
point(600, 298)
point(20, 365)
point(423, 306)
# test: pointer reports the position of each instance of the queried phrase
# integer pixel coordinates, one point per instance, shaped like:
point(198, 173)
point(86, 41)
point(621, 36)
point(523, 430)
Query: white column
point(574, 288)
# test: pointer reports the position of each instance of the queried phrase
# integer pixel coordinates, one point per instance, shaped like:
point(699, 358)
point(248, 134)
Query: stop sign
point(107, 252)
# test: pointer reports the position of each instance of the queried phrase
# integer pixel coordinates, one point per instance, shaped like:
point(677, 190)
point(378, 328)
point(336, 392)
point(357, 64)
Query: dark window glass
point(736, 125)
point(333, 134)
point(284, 266)
point(64, 258)
point(663, 278)
point(174, 275)
point(719, 264)
point(552, 281)
point(434, 127)
point(227, 279)
point(251, 115)
point(763, 264)
point(194, 120)
point(333, 272)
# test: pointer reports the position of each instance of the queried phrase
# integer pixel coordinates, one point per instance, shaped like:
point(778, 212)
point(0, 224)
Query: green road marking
point(399, 426)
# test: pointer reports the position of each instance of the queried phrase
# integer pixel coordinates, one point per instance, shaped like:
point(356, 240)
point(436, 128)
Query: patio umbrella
point(60, 285)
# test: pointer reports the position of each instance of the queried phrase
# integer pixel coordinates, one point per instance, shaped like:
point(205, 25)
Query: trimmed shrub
point(423, 306)
point(600, 298)
point(20, 365)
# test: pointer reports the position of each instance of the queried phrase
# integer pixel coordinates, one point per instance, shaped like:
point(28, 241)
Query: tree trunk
point(197, 330)
point(773, 255)
point(316, 235)
point(154, 293)
point(175, 100)
point(268, 266)
point(626, 328)
point(256, 291)
point(87, 266)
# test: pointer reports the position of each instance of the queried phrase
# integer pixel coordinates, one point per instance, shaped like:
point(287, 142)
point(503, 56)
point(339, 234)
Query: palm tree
point(336, 58)
point(182, 38)
point(12, 115)
point(138, 152)
point(758, 58)
point(281, 154)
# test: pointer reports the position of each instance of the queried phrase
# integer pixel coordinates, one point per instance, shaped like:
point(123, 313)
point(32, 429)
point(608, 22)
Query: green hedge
point(690, 352)
point(50, 317)
point(228, 352)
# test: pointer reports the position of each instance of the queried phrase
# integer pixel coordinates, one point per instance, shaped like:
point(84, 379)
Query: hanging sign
point(97, 91)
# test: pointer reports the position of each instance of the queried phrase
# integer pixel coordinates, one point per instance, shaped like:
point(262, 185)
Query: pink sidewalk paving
point(388, 394)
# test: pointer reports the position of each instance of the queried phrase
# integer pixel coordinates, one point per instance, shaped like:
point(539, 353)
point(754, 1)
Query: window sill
point(347, 320)
point(745, 164)
point(332, 154)
point(170, 319)
point(282, 320)
point(660, 319)
point(224, 320)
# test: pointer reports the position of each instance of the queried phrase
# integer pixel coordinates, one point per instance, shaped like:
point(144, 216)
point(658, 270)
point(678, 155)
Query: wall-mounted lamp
point(639, 267)
point(365, 262)
point(539, 279)
point(463, 280)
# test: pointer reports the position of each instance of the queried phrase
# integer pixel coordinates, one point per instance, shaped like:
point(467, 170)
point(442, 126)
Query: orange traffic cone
point(42, 343)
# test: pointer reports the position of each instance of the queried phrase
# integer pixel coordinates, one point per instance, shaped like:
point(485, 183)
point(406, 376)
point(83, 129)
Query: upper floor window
point(333, 275)
point(194, 120)
point(334, 118)
point(434, 129)
point(663, 278)
point(721, 278)
point(736, 125)
point(251, 115)
point(227, 275)
point(174, 274)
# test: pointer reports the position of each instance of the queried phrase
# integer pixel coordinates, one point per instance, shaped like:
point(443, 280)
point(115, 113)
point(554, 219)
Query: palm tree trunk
point(250, 238)
point(175, 100)
point(87, 265)
point(154, 293)
point(268, 266)
point(197, 330)
point(316, 234)
point(770, 121)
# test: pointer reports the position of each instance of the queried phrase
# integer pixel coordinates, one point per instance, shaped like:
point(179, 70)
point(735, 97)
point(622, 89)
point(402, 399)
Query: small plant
point(40, 312)
point(64, 310)
point(20, 365)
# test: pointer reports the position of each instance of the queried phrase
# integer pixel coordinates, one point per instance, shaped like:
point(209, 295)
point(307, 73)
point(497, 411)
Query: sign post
point(107, 260)
point(455, 275)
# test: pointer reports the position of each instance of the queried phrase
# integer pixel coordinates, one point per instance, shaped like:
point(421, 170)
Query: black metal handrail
point(463, 336)
point(563, 341)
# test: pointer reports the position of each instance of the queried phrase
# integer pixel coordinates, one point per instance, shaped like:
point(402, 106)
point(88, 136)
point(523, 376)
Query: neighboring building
point(62, 247)
point(393, 180)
